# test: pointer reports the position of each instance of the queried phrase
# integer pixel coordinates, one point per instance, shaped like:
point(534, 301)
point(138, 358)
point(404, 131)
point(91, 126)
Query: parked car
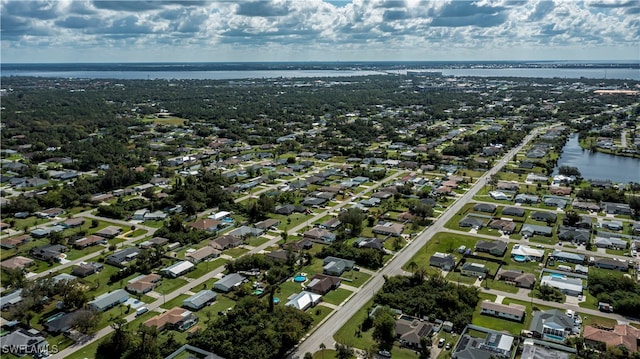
point(384, 353)
point(441, 342)
point(448, 346)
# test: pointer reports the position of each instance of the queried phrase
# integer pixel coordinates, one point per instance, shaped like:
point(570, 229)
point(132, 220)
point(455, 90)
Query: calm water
point(596, 165)
point(616, 73)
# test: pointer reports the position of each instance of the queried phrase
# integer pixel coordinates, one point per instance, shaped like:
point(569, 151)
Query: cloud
point(76, 22)
point(262, 8)
point(460, 13)
point(129, 6)
point(542, 8)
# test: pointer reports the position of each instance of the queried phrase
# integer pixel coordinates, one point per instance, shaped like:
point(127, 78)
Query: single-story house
point(497, 248)
point(561, 256)
point(13, 242)
point(143, 284)
point(443, 261)
point(560, 191)
point(526, 198)
point(611, 263)
point(206, 224)
point(617, 208)
point(109, 300)
point(24, 342)
point(472, 222)
point(499, 196)
point(585, 206)
point(225, 242)
point(613, 225)
point(88, 241)
point(228, 282)
point(322, 284)
point(304, 300)
point(267, 223)
point(200, 299)
point(331, 224)
point(122, 257)
point(48, 252)
point(87, 269)
point(513, 211)
point(16, 262)
point(470, 269)
point(567, 285)
point(529, 254)
point(109, 232)
point(388, 229)
point(245, 231)
point(320, 234)
point(73, 222)
point(517, 278)
point(409, 331)
point(367, 242)
point(485, 207)
point(572, 234)
point(202, 254)
point(62, 324)
point(178, 269)
point(611, 243)
point(622, 335)
point(336, 266)
point(544, 216)
point(11, 298)
point(174, 318)
point(512, 311)
point(505, 226)
point(552, 325)
point(529, 230)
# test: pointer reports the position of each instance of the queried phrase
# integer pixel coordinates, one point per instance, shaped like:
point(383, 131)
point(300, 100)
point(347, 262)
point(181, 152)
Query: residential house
point(611, 263)
point(304, 300)
point(245, 232)
point(529, 230)
point(388, 229)
point(617, 208)
point(283, 255)
point(287, 209)
point(16, 262)
point(109, 232)
point(225, 242)
point(555, 201)
point(154, 242)
point(543, 216)
point(532, 177)
point(48, 252)
point(470, 221)
point(200, 299)
point(73, 222)
point(572, 234)
point(320, 234)
point(499, 196)
point(496, 248)
point(508, 186)
point(10, 299)
point(228, 282)
point(206, 224)
point(177, 269)
point(23, 342)
point(611, 243)
point(62, 324)
point(560, 191)
point(88, 241)
point(505, 226)
point(202, 254)
point(585, 206)
point(336, 266)
point(526, 253)
point(517, 278)
point(485, 207)
point(87, 269)
point(367, 242)
point(613, 225)
point(267, 224)
point(561, 256)
point(470, 269)
point(122, 257)
point(322, 284)
point(526, 198)
point(513, 211)
point(567, 285)
point(492, 344)
point(331, 224)
point(174, 318)
point(601, 339)
point(13, 242)
point(552, 325)
point(512, 311)
point(443, 261)
point(409, 331)
point(109, 300)
point(143, 284)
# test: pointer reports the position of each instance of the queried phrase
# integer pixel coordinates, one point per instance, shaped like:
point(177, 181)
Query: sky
point(318, 30)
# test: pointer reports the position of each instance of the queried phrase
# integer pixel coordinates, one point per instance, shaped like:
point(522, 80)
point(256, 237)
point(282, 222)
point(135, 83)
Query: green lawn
point(354, 278)
point(441, 242)
point(169, 285)
point(336, 296)
point(206, 267)
point(236, 252)
point(318, 313)
point(257, 241)
point(175, 302)
point(350, 333)
point(136, 233)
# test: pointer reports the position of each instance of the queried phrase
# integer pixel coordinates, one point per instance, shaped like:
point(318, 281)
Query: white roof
point(303, 300)
point(572, 284)
point(522, 250)
point(179, 267)
point(219, 215)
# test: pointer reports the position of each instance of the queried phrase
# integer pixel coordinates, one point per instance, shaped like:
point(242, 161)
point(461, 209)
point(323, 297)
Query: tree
point(86, 321)
point(14, 277)
point(308, 355)
point(569, 171)
point(352, 219)
point(571, 218)
point(322, 348)
point(384, 326)
point(344, 351)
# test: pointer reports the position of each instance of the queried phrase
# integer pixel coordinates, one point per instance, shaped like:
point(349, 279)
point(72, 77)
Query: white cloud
point(319, 30)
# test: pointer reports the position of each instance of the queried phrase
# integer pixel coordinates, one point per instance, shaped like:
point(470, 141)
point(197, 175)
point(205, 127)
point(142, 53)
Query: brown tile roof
point(622, 334)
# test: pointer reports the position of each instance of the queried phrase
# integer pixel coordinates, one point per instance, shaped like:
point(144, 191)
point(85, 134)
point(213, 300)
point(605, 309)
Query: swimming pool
point(558, 275)
point(554, 337)
point(520, 258)
point(299, 278)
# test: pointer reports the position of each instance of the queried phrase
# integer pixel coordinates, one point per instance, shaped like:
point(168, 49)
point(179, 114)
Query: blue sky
point(318, 30)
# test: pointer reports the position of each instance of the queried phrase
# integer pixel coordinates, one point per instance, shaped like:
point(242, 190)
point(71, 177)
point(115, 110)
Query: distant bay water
point(176, 72)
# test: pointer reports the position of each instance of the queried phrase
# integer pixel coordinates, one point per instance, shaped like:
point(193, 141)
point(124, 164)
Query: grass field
point(336, 296)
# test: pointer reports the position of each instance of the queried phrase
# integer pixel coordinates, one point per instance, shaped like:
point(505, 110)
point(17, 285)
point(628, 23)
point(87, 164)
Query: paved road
point(210, 275)
point(324, 333)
